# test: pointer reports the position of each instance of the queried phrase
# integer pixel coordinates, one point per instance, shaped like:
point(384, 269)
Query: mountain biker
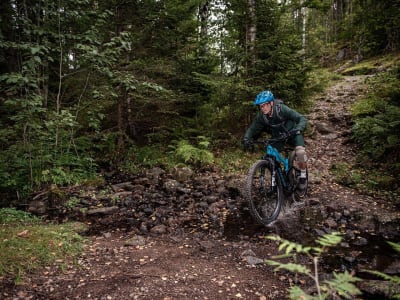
point(276, 118)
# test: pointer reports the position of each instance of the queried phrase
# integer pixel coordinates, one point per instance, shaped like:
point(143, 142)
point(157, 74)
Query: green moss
point(25, 247)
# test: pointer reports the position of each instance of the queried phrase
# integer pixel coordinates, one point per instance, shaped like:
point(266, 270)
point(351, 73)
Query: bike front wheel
point(264, 192)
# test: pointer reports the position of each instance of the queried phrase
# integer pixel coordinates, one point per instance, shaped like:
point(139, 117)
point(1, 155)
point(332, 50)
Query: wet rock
point(330, 136)
point(103, 210)
point(206, 245)
point(182, 174)
point(183, 190)
point(121, 194)
point(171, 185)
point(360, 241)
point(159, 229)
point(137, 240)
point(252, 260)
point(143, 227)
point(154, 175)
point(314, 201)
point(37, 207)
point(211, 198)
point(393, 268)
point(205, 180)
point(124, 186)
point(323, 128)
point(378, 289)
point(331, 223)
point(248, 252)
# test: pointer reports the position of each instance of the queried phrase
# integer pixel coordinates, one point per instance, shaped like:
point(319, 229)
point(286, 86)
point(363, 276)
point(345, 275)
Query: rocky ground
point(189, 236)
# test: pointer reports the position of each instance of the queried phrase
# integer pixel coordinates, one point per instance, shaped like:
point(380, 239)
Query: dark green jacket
point(282, 116)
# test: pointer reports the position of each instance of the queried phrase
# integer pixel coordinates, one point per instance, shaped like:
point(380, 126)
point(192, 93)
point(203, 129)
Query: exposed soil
point(196, 240)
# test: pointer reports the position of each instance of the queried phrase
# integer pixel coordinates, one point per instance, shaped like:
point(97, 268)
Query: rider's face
point(266, 107)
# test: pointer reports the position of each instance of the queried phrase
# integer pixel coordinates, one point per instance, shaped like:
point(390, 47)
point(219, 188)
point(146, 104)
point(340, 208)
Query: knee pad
point(301, 155)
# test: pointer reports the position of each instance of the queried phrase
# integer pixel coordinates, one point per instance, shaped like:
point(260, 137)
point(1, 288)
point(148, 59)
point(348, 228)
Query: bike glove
point(247, 144)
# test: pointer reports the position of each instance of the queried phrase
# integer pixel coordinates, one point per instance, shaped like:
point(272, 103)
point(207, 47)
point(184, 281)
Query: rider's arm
point(256, 128)
point(290, 114)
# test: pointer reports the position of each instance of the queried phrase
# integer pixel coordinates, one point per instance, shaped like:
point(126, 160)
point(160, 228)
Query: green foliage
point(342, 284)
point(194, 154)
point(368, 180)
point(12, 216)
point(234, 160)
point(26, 246)
point(319, 80)
point(346, 174)
point(139, 158)
point(377, 125)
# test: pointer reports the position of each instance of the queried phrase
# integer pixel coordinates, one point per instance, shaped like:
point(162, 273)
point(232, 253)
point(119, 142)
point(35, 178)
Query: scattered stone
point(252, 260)
point(360, 241)
point(124, 186)
point(137, 240)
point(103, 210)
point(324, 128)
point(331, 223)
point(159, 229)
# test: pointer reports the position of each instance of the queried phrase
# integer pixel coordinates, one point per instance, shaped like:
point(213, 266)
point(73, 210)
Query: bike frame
point(271, 151)
point(280, 160)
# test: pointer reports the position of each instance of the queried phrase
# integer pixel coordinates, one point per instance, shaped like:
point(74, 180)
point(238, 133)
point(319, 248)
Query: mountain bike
point(272, 181)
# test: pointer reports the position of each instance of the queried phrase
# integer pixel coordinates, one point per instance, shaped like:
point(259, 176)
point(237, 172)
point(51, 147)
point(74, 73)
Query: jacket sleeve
point(256, 128)
point(300, 121)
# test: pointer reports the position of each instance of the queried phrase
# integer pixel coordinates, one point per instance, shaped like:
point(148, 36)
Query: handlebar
point(282, 138)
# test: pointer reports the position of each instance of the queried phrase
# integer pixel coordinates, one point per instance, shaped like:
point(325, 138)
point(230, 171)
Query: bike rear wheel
point(265, 198)
point(298, 194)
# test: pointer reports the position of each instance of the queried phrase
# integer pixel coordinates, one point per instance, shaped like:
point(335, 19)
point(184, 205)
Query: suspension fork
point(281, 177)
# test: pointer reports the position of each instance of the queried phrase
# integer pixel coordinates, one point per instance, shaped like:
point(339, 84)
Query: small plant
point(199, 155)
point(346, 174)
point(342, 284)
point(11, 216)
point(72, 202)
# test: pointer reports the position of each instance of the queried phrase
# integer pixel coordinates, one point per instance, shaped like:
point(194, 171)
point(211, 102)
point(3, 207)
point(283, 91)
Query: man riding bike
point(276, 118)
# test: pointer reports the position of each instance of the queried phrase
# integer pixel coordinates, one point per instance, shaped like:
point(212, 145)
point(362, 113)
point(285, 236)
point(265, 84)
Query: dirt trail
point(120, 264)
point(330, 144)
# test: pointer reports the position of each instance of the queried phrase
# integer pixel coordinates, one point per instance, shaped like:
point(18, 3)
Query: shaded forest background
point(87, 85)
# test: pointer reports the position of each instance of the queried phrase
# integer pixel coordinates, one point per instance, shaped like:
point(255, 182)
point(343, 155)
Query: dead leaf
point(23, 233)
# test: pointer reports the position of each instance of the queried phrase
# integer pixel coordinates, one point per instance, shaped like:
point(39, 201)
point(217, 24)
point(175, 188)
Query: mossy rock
point(364, 70)
point(386, 181)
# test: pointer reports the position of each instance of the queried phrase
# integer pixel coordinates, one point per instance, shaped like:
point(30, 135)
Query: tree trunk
point(131, 127)
point(251, 31)
point(120, 120)
point(203, 16)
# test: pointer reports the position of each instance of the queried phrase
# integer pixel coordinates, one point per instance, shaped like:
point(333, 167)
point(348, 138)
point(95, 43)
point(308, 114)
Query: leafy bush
point(377, 120)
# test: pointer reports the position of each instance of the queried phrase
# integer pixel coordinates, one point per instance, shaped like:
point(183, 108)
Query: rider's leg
point(301, 158)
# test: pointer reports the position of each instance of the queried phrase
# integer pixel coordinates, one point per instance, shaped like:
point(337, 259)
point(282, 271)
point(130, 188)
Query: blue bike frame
point(271, 151)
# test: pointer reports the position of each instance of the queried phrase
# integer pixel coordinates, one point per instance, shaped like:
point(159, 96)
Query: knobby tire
point(265, 201)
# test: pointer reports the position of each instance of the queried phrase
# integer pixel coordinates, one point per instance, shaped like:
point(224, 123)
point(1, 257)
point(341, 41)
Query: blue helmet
point(264, 97)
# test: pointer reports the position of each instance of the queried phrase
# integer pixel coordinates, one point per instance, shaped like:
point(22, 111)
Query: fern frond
point(296, 268)
point(296, 292)
point(343, 284)
point(395, 246)
point(330, 240)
